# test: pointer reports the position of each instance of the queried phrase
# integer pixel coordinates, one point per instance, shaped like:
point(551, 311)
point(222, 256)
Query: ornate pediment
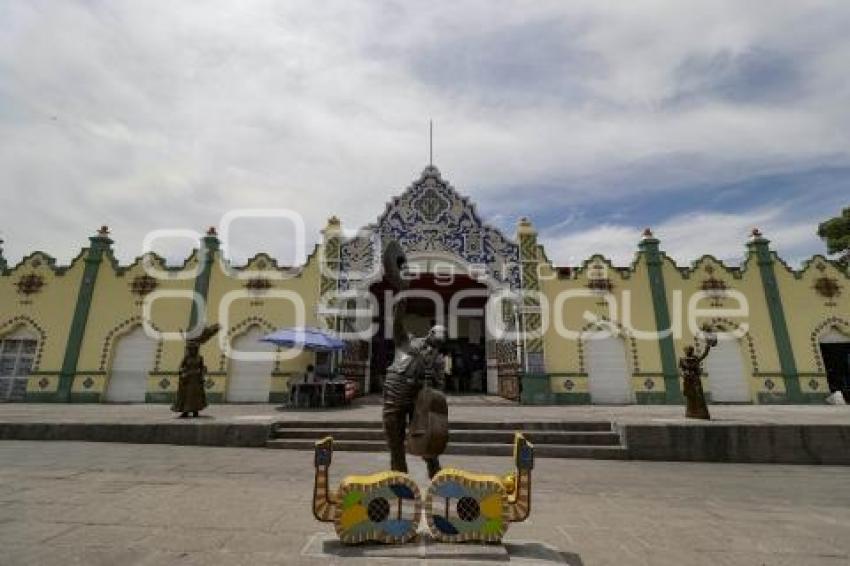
point(430, 217)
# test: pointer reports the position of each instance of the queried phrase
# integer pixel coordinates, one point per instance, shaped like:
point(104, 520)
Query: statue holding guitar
point(414, 405)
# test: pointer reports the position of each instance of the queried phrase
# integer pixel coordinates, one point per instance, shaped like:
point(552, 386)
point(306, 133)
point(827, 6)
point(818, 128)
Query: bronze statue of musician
point(412, 396)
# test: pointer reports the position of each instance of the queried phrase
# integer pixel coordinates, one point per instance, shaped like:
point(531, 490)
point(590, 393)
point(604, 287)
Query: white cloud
point(687, 237)
point(145, 115)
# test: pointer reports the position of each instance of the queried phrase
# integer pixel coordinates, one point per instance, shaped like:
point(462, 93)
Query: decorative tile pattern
point(88, 382)
point(430, 216)
point(164, 383)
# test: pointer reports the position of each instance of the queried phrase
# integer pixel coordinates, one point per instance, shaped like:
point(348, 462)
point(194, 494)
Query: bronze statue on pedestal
point(409, 399)
point(191, 396)
point(691, 367)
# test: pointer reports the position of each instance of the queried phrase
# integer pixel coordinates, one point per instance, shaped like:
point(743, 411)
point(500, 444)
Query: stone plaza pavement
point(95, 504)
point(477, 408)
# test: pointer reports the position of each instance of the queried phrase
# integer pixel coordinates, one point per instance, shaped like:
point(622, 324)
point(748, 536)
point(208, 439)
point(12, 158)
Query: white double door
point(250, 380)
point(727, 381)
point(607, 371)
point(132, 361)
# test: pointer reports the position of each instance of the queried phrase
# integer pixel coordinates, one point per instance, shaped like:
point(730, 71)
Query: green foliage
point(836, 233)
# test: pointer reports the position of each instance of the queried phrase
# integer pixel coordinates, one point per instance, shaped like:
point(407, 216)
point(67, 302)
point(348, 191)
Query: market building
point(90, 331)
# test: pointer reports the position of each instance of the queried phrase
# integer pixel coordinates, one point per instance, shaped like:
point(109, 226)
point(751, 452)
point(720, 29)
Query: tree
point(836, 233)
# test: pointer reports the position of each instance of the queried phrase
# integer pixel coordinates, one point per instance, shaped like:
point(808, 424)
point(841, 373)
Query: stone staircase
point(596, 440)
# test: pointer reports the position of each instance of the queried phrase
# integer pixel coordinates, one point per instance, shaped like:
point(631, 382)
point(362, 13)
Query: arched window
point(17, 352)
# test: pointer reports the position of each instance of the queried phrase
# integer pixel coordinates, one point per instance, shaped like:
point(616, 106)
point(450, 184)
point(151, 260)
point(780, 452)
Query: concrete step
point(594, 438)
point(465, 448)
point(574, 426)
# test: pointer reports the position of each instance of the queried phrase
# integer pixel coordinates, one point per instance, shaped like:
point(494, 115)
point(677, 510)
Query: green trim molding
point(206, 255)
point(160, 397)
point(86, 397)
point(650, 398)
point(535, 389)
point(649, 247)
point(759, 246)
point(43, 397)
point(100, 243)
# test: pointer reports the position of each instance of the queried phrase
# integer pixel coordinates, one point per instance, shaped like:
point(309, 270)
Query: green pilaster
point(649, 246)
point(206, 255)
point(759, 246)
point(99, 245)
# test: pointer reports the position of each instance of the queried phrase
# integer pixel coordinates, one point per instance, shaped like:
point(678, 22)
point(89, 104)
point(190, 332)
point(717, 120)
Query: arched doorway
point(607, 371)
point(250, 380)
point(131, 363)
point(466, 349)
point(835, 351)
point(727, 380)
point(17, 352)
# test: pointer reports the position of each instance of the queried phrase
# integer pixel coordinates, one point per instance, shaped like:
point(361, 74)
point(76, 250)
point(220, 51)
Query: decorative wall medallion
point(209, 383)
point(602, 285)
point(164, 383)
point(43, 383)
point(715, 288)
point(813, 383)
point(569, 385)
point(431, 205)
point(258, 284)
point(30, 284)
point(474, 242)
point(649, 384)
point(142, 285)
point(769, 384)
point(88, 382)
point(828, 288)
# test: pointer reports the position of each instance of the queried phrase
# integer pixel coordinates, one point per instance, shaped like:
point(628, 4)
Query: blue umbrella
point(306, 337)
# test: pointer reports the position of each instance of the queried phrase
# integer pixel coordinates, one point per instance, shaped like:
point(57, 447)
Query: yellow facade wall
point(117, 310)
point(46, 313)
point(238, 309)
point(811, 314)
point(757, 347)
point(629, 304)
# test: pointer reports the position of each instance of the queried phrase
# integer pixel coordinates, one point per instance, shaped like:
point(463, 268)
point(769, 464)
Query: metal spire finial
point(431, 143)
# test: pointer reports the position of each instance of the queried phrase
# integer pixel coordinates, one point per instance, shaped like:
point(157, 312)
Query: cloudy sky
point(596, 119)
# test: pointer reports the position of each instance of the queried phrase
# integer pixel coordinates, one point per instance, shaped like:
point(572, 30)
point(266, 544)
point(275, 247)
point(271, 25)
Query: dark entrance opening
point(467, 368)
point(836, 361)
